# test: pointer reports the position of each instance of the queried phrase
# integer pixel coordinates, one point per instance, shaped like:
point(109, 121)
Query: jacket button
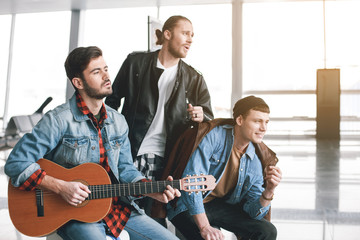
point(93, 147)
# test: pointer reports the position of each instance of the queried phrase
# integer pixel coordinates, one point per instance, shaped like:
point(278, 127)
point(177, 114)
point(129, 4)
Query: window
point(343, 51)
point(283, 45)
point(117, 32)
point(41, 45)
point(5, 25)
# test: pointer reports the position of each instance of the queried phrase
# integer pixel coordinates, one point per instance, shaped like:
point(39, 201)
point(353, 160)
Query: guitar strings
point(132, 188)
point(137, 188)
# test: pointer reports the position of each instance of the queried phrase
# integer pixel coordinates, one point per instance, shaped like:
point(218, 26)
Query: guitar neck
point(127, 189)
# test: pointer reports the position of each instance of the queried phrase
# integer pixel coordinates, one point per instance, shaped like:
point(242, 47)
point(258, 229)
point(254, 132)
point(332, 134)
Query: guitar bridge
point(39, 202)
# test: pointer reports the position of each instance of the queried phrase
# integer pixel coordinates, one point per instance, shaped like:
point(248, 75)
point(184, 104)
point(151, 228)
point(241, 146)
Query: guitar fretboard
point(127, 189)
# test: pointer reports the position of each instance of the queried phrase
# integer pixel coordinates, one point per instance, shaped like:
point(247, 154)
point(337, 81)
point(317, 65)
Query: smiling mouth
point(261, 135)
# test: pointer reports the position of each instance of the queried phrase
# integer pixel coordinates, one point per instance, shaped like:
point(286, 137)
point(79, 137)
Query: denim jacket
point(211, 158)
point(68, 137)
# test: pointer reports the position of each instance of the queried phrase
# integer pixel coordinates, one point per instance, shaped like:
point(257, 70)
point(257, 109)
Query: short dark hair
point(78, 59)
point(243, 106)
point(168, 25)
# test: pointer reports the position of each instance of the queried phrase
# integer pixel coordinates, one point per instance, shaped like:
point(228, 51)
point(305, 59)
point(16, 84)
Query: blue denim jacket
point(68, 137)
point(210, 158)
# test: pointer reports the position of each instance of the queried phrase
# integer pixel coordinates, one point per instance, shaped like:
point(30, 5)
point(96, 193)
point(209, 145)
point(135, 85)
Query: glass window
point(278, 54)
point(342, 40)
point(211, 49)
point(343, 51)
point(117, 32)
point(5, 27)
point(284, 55)
point(41, 44)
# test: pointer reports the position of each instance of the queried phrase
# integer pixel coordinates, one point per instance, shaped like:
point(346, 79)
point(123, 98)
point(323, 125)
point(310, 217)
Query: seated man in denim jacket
point(240, 201)
point(84, 130)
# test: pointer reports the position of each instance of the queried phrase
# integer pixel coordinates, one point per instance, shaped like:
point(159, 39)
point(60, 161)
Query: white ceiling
point(29, 6)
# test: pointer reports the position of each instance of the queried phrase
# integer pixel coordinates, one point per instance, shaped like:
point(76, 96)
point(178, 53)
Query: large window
point(41, 45)
point(5, 25)
point(282, 50)
point(284, 46)
point(117, 32)
point(343, 51)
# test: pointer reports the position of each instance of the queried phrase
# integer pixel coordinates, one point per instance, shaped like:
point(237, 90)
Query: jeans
point(139, 227)
point(229, 217)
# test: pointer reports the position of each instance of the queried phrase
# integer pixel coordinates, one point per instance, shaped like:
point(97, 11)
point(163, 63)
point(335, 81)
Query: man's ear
point(77, 82)
point(167, 34)
point(239, 120)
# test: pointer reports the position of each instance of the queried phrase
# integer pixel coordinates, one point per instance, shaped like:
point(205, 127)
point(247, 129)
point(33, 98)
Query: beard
point(173, 51)
point(94, 93)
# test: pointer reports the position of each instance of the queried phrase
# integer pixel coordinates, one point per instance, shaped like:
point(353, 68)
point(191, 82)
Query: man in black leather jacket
point(162, 96)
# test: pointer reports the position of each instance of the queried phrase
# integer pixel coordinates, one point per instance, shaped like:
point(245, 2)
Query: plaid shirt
point(119, 213)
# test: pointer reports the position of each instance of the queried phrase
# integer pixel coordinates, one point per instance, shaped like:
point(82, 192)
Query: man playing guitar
point(85, 130)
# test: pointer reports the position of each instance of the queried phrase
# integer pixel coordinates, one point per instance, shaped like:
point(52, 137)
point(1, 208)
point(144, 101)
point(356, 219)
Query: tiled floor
point(318, 198)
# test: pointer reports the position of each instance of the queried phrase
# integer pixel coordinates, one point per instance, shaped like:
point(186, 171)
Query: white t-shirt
point(155, 138)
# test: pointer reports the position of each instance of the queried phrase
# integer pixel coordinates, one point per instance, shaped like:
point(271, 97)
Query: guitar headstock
point(197, 183)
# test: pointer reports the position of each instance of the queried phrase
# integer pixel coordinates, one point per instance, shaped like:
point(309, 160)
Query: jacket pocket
point(75, 150)
point(215, 163)
point(115, 145)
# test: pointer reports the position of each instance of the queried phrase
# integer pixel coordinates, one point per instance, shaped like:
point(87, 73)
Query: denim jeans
point(139, 227)
point(227, 216)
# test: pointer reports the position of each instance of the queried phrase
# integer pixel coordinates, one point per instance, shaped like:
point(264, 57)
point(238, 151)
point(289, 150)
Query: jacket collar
point(155, 56)
point(79, 116)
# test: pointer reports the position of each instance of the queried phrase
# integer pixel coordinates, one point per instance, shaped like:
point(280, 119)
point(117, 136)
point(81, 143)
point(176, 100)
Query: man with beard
point(84, 130)
point(163, 96)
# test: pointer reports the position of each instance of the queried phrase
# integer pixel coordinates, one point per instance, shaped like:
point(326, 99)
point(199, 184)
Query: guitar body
point(39, 213)
point(23, 209)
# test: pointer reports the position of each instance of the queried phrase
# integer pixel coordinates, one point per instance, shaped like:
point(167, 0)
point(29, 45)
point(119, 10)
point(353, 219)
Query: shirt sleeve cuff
point(33, 181)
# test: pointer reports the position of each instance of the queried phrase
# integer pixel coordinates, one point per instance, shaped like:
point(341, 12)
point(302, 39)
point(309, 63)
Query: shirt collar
point(250, 151)
point(85, 110)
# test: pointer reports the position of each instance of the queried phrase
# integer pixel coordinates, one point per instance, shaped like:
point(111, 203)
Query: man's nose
point(263, 126)
point(189, 39)
point(106, 75)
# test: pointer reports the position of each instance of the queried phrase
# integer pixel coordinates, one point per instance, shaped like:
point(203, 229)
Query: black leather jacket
point(137, 83)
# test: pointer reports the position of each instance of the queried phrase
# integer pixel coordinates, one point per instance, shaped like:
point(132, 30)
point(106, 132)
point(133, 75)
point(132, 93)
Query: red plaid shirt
point(119, 213)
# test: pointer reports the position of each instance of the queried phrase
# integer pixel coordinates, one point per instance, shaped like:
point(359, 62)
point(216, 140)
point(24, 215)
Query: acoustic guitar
point(40, 212)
